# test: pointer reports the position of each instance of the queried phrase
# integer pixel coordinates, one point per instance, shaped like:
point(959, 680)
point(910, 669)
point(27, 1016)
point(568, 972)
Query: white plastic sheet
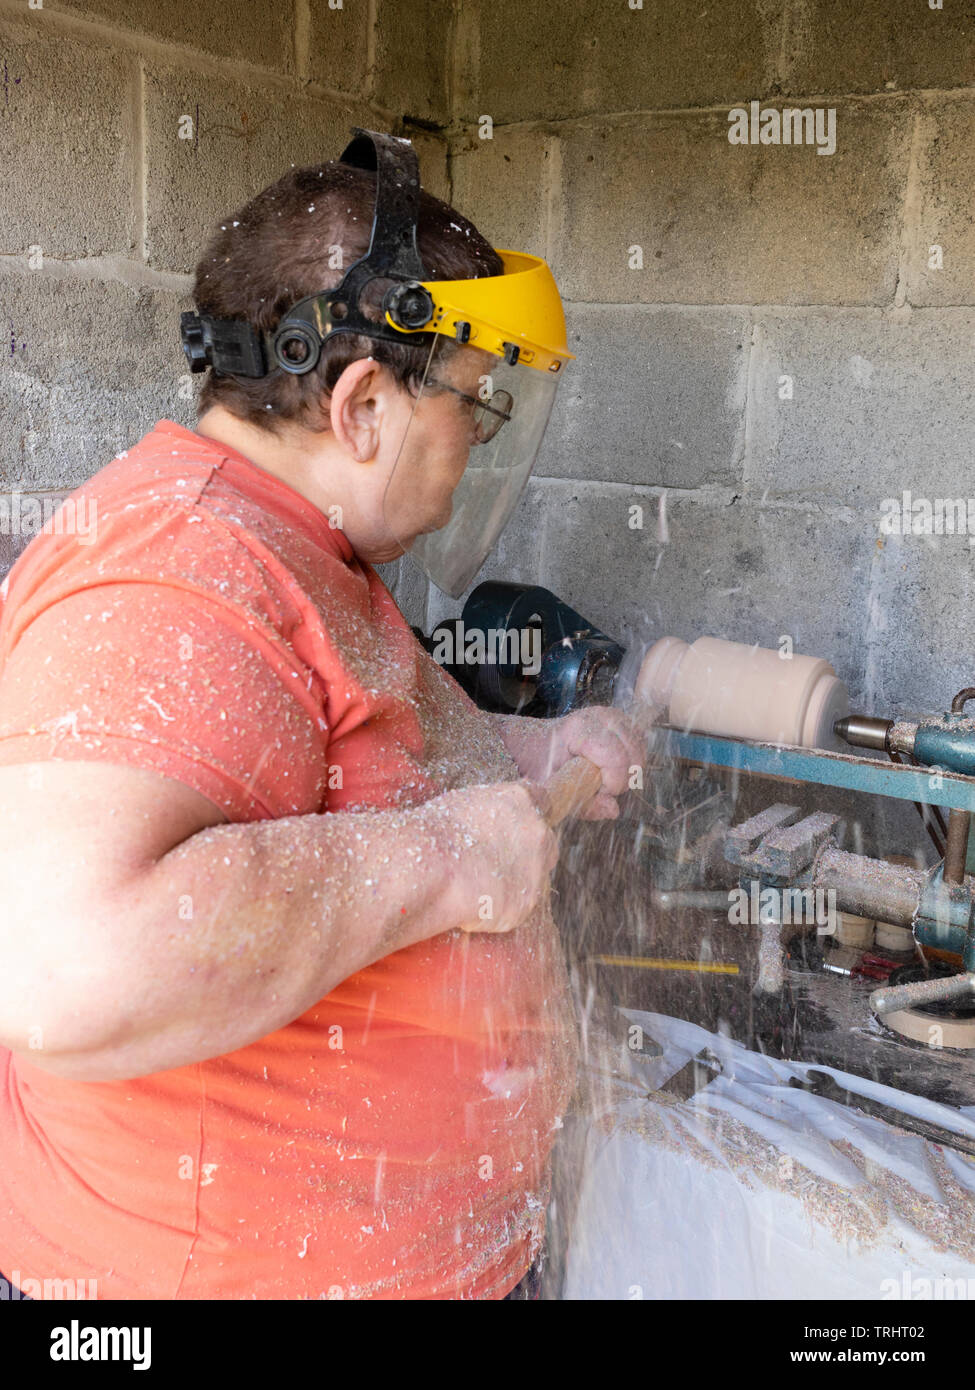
point(753, 1189)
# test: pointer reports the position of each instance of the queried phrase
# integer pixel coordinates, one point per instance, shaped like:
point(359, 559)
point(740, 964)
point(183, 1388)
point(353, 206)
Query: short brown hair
point(276, 250)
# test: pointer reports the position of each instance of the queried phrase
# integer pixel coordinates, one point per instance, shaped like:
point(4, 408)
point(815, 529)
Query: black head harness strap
point(234, 348)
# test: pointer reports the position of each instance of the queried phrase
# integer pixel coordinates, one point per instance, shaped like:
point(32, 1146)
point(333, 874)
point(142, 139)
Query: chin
point(378, 552)
point(438, 523)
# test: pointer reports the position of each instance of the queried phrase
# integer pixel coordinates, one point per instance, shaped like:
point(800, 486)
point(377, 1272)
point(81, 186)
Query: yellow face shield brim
point(520, 309)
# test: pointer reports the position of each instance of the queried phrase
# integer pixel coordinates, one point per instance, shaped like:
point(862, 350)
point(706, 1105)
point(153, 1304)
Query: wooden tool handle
point(570, 790)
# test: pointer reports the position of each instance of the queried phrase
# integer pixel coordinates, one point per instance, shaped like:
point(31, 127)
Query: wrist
point(435, 896)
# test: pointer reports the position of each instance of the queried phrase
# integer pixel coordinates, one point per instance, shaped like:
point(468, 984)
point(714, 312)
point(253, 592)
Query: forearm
point(241, 928)
point(529, 743)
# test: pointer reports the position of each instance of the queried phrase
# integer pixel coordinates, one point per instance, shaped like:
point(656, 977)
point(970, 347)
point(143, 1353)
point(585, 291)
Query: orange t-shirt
point(215, 629)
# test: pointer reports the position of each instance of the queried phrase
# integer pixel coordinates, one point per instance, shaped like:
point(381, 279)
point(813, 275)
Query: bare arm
point(142, 932)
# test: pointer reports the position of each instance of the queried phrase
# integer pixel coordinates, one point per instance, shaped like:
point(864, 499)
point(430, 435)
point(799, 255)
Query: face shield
point(495, 346)
point(463, 463)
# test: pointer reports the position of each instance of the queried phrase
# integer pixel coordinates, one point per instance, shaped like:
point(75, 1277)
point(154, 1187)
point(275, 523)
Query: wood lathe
point(901, 935)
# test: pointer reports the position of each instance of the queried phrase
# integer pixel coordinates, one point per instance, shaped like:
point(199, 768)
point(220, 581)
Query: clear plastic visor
point(465, 458)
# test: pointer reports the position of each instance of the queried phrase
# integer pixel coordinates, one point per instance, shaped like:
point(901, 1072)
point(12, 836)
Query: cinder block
point(738, 224)
point(252, 33)
point(65, 145)
point(408, 586)
point(656, 396)
point(17, 520)
point(92, 367)
point(945, 230)
point(338, 45)
point(875, 46)
point(413, 50)
point(431, 150)
point(879, 405)
point(10, 548)
point(919, 647)
point(916, 651)
point(723, 568)
point(500, 185)
point(562, 59)
point(243, 138)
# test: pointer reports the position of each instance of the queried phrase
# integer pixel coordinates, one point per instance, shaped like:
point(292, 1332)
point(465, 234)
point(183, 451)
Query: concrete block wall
point(768, 346)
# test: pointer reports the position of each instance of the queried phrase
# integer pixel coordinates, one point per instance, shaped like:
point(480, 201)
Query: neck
point(285, 455)
point(304, 461)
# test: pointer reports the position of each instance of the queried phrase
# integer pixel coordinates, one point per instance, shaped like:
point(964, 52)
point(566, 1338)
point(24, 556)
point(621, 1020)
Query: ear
point(359, 404)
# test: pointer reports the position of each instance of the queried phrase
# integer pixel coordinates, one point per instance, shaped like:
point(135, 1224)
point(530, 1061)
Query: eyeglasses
point(489, 415)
